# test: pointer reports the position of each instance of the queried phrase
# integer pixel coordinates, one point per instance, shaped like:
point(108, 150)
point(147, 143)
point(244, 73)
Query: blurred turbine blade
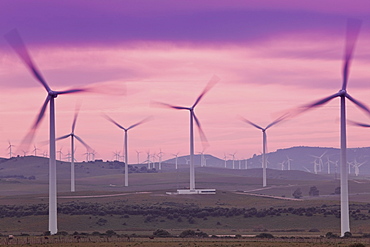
point(170, 106)
point(202, 136)
point(83, 143)
point(251, 123)
point(358, 124)
point(63, 137)
point(139, 123)
point(16, 42)
point(353, 30)
point(210, 84)
point(358, 103)
point(75, 118)
point(28, 139)
point(114, 122)
point(77, 90)
point(281, 118)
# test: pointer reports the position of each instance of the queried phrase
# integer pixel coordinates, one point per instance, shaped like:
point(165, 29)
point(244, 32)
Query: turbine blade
point(16, 42)
point(171, 106)
point(358, 103)
point(139, 123)
point(76, 90)
point(353, 30)
point(358, 124)
point(28, 139)
point(63, 137)
point(301, 109)
point(114, 122)
point(202, 136)
point(83, 143)
point(281, 118)
point(75, 119)
point(251, 123)
point(209, 85)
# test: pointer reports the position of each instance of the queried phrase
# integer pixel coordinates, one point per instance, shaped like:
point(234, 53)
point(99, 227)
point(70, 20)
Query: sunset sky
point(270, 56)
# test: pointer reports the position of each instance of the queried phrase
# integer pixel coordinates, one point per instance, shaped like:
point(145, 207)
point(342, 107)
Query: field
point(101, 189)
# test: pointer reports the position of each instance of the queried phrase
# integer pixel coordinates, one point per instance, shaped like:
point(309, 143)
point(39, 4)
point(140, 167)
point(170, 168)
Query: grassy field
point(149, 189)
point(181, 242)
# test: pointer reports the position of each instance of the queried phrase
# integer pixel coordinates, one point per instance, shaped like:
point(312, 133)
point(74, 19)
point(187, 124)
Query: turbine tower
point(125, 141)
point(193, 118)
point(264, 144)
point(17, 44)
point(73, 137)
point(353, 28)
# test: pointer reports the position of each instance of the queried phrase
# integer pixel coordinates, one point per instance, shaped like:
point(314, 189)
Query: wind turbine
point(233, 155)
point(17, 44)
point(60, 153)
point(177, 154)
point(357, 166)
point(125, 141)
point(35, 150)
point(225, 159)
point(288, 162)
point(193, 117)
point(10, 149)
point(320, 163)
point(73, 137)
point(138, 156)
point(353, 28)
point(264, 145)
point(159, 155)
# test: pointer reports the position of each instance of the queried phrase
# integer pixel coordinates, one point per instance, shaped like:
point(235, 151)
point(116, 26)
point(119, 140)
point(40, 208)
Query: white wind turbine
point(193, 118)
point(35, 150)
point(225, 159)
point(282, 165)
point(138, 156)
point(353, 28)
point(264, 145)
point(233, 155)
point(73, 137)
point(148, 159)
point(357, 166)
point(10, 149)
point(320, 163)
point(125, 141)
point(17, 44)
point(288, 162)
point(176, 155)
point(160, 155)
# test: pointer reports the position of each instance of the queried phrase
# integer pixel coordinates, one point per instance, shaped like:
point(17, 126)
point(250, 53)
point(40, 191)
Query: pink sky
point(270, 58)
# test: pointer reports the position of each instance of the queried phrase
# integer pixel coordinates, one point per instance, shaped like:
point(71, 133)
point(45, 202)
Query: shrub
point(161, 233)
point(356, 245)
point(265, 235)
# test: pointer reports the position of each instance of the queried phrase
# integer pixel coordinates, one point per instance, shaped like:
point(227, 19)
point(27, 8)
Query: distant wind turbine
point(125, 141)
point(10, 150)
point(353, 28)
point(17, 44)
point(73, 137)
point(193, 117)
point(233, 155)
point(176, 155)
point(138, 156)
point(264, 145)
point(288, 162)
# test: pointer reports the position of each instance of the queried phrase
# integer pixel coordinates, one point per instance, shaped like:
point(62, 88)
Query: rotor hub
point(53, 94)
point(342, 92)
